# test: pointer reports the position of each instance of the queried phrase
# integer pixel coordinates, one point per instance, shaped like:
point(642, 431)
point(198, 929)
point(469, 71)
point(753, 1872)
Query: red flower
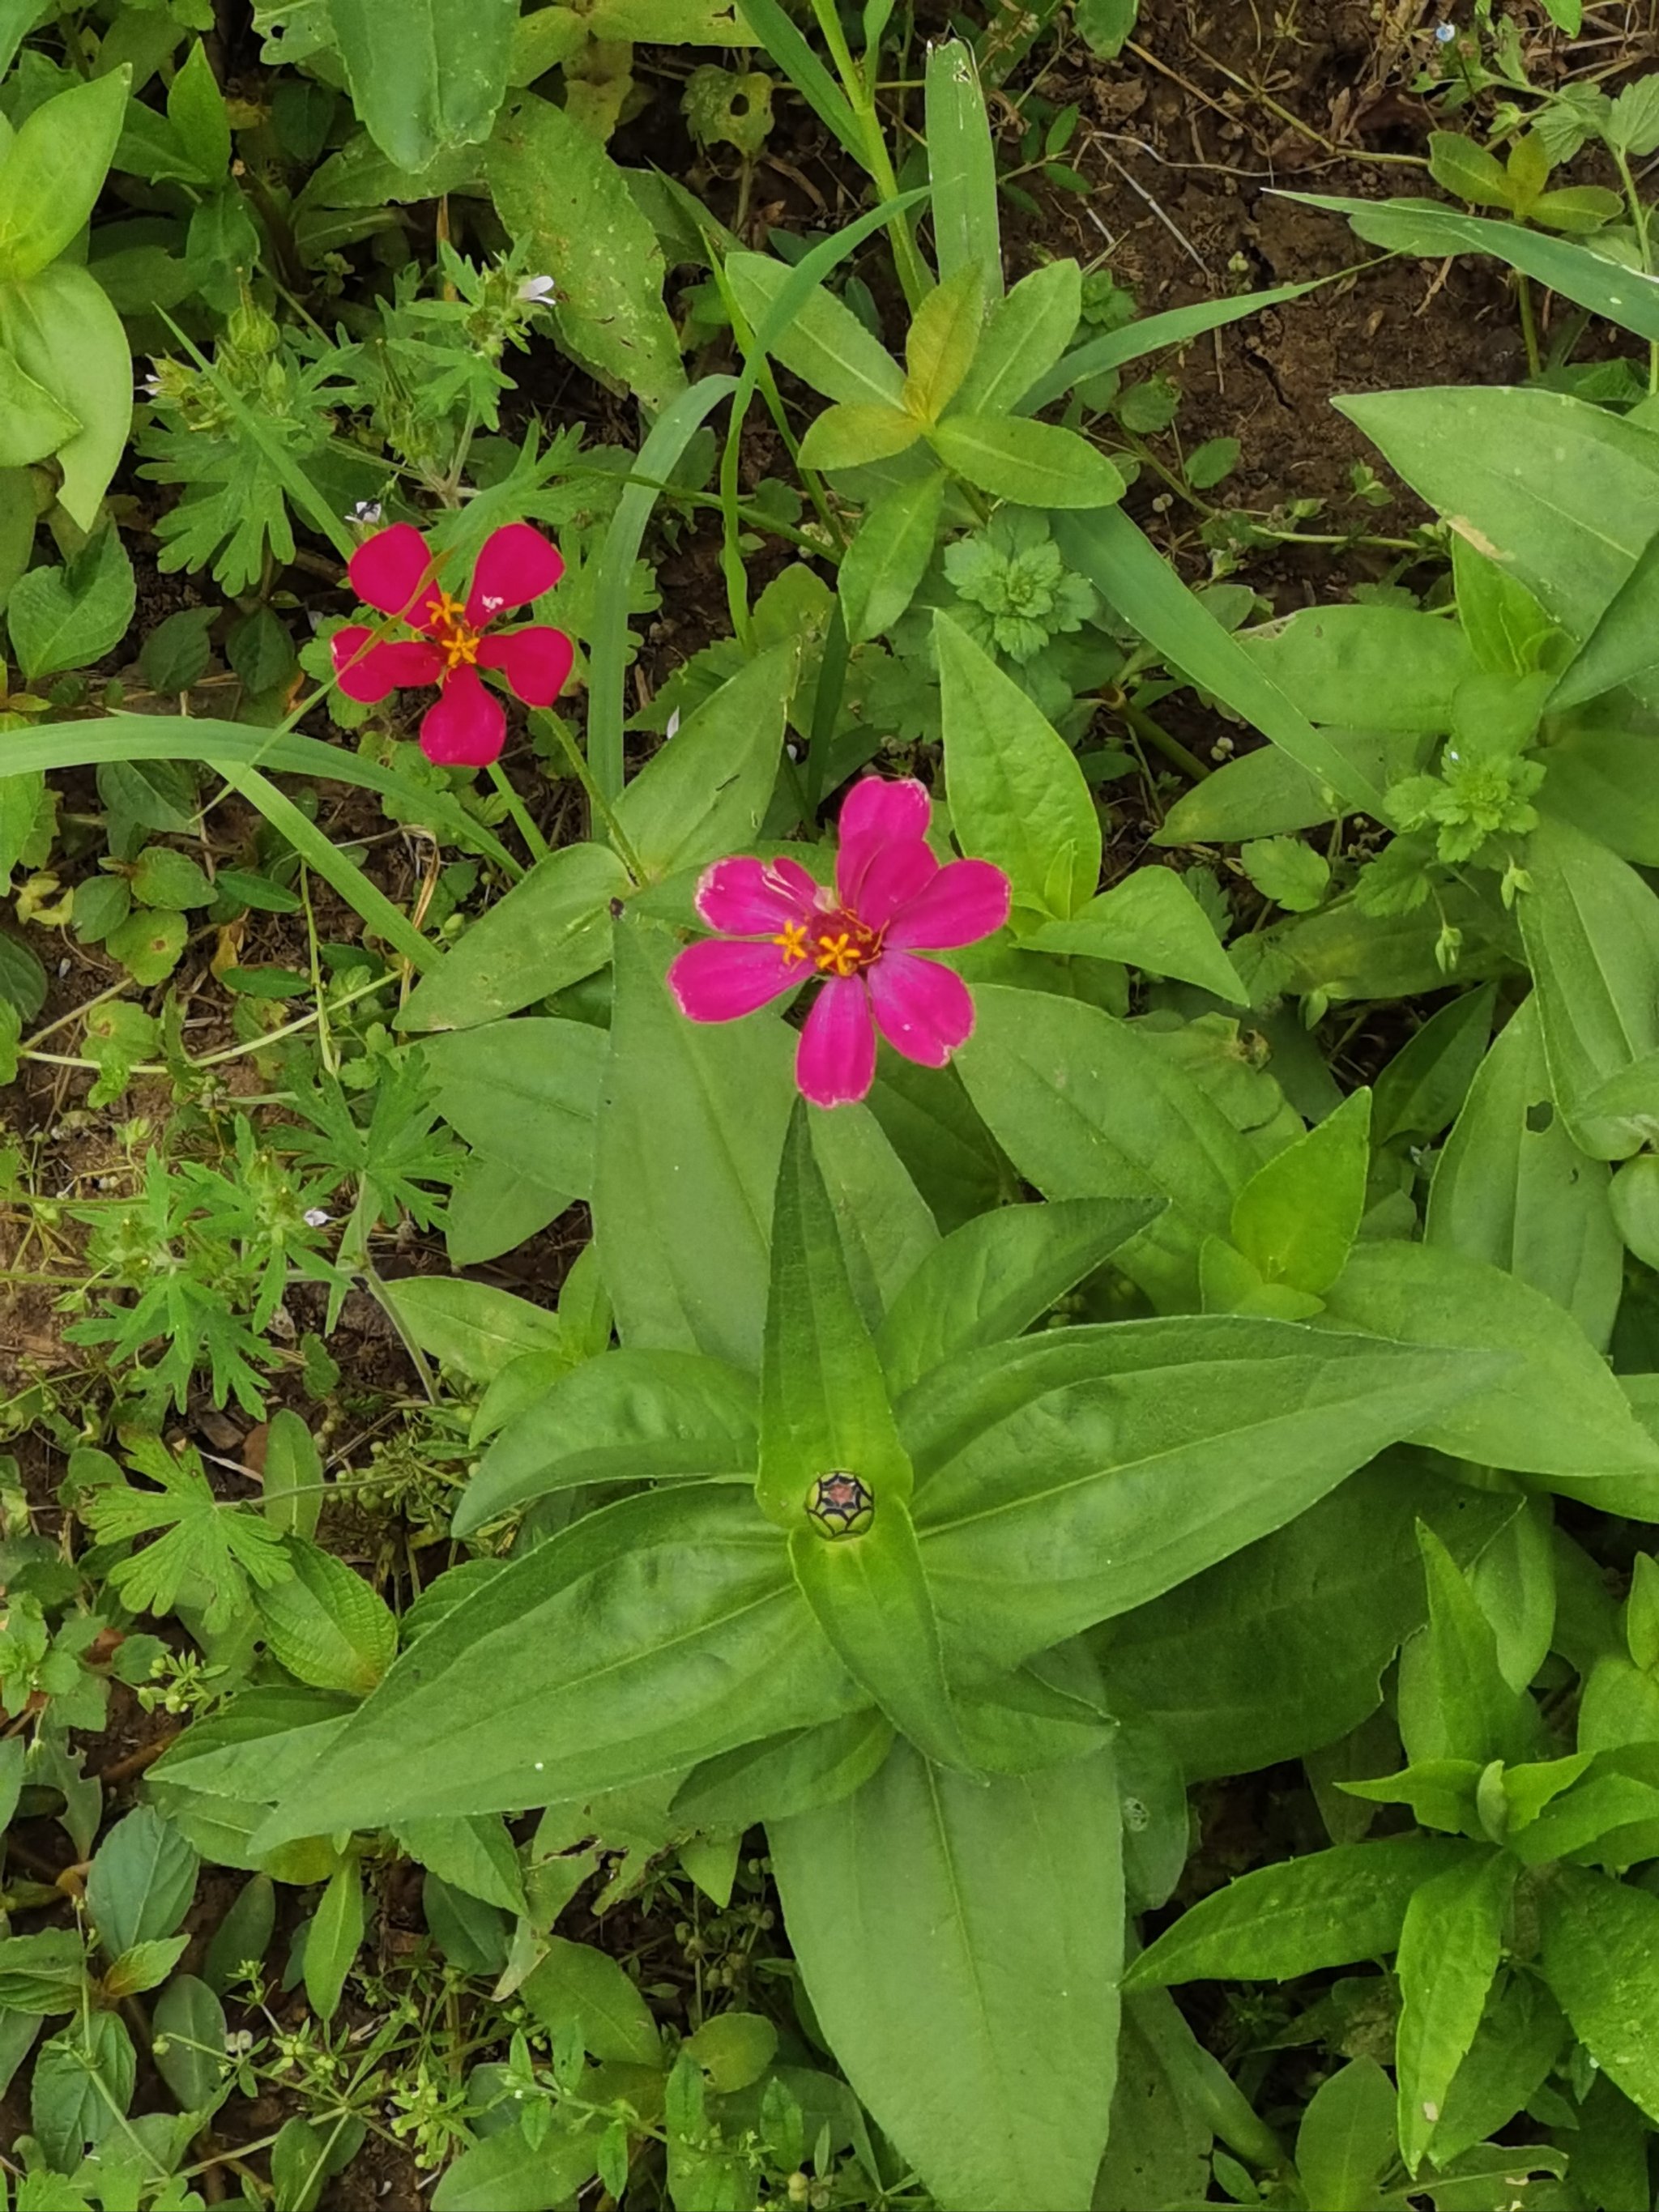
point(892, 903)
point(392, 571)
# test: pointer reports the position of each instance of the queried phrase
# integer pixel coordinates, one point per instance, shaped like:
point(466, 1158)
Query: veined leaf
point(429, 77)
point(1151, 921)
point(961, 1945)
point(1599, 1938)
point(551, 929)
point(962, 169)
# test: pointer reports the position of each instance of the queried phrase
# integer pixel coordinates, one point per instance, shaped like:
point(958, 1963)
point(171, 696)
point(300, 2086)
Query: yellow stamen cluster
point(456, 642)
point(838, 954)
point(792, 938)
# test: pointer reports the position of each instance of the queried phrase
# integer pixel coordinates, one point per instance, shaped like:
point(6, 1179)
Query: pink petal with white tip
point(718, 980)
point(835, 1060)
point(965, 901)
point(755, 898)
point(879, 810)
point(516, 565)
point(923, 1010)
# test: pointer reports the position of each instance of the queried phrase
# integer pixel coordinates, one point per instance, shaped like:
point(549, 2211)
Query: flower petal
point(877, 811)
point(755, 898)
point(897, 874)
point(835, 1060)
point(923, 1010)
point(467, 728)
point(392, 571)
point(718, 980)
point(370, 670)
point(535, 662)
point(516, 565)
point(965, 901)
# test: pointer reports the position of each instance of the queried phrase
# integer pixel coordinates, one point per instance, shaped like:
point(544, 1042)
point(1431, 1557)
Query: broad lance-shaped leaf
point(524, 1093)
point(1086, 1107)
point(961, 1944)
point(1017, 796)
point(783, 1775)
point(992, 1277)
point(1450, 1941)
point(658, 1631)
point(832, 1469)
point(1151, 921)
point(1591, 927)
point(1079, 1474)
point(1453, 1700)
point(1512, 1189)
point(1555, 1412)
point(1280, 1649)
point(705, 794)
point(625, 1417)
point(870, 1594)
point(1296, 1217)
point(1327, 1910)
point(551, 929)
point(825, 1410)
point(426, 77)
point(1600, 1939)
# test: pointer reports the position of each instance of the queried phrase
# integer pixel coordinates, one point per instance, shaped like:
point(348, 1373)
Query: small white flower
point(538, 291)
point(1445, 32)
point(492, 603)
point(673, 725)
point(367, 511)
point(316, 1218)
point(151, 387)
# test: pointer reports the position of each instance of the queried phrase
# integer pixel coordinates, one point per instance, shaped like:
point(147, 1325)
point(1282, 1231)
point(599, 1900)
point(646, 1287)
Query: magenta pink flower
point(892, 901)
point(394, 572)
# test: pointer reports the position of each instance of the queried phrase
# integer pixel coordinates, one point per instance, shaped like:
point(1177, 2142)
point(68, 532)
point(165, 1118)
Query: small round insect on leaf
point(838, 1505)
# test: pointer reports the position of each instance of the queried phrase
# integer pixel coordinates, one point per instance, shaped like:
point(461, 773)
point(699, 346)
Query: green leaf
point(60, 329)
point(991, 1279)
point(1450, 1946)
point(1017, 797)
point(83, 2083)
point(1454, 1702)
point(1570, 525)
point(846, 437)
point(52, 170)
point(942, 338)
point(470, 1327)
point(1603, 784)
point(190, 2027)
point(42, 1973)
point(1087, 1107)
point(629, 1416)
point(1150, 920)
point(62, 618)
point(705, 792)
point(1026, 335)
point(1279, 1649)
point(1591, 927)
point(243, 1934)
point(783, 1775)
point(962, 169)
point(870, 1596)
point(325, 1624)
point(1458, 166)
point(333, 1936)
point(1265, 794)
point(1364, 667)
point(508, 2169)
point(1428, 1079)
point(1296, 1217)
point(1165, 1446)
point(148, 945)
point(1329, 1909)
point(1135, 579)
point(550, 930)
point(196, 109)
point(576, 1985)
point(1517, 2045)
point(1598, 1942)
point(142, 1880)
point(494, 1209)
point(292, 1475)
point(824, 1408)
point(524, 1092)
point(1506, 628)
point(223, 1548)
point(961, 1944)
point(1557, 1413)
point(553, 184)
point(690, 1131)
point(1512, 1189)
point(145, 1965)
point(1347, 2138)
point(653, 1633)
point(477, 1856)
point(162, 878)
point(1290, 873)
point(824, 343)
point(1106, 26)
point(32, 422)
point(429, 79)
point(1036, 464)
point(889, 555)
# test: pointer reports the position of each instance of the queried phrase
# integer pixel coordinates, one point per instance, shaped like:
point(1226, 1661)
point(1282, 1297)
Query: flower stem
point(535, 843)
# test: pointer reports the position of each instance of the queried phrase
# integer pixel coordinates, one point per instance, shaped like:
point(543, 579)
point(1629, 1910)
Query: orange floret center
point(836, 944)
point(450, 633)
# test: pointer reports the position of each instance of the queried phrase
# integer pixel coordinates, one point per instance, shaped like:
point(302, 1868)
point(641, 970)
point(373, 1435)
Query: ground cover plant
point(830, 1364)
